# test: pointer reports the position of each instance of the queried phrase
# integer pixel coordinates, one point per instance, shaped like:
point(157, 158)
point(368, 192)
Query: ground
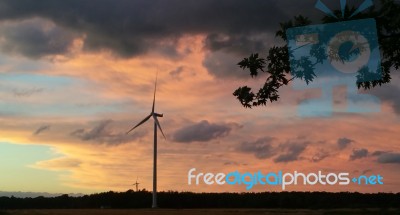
point(199, 211)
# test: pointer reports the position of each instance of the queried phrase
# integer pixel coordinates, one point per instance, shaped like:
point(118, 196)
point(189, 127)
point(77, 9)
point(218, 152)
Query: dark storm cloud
point(292, 151)
point(129, 28)
point(132, 27)
point(358, 154)
point(366, 171)
point(389, 158)
point(344, 143)
point(34, 38)
point(202, 132)
point(262, 148)
point(101, 133)
point(41, 129)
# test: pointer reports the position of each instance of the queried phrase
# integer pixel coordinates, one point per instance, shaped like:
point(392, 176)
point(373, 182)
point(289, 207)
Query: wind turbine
point(136, 184)
point(156, 124)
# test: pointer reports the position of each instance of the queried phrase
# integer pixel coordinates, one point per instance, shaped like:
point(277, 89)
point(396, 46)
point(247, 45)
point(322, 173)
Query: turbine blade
point(143, 121)
point(154, 98)
point(159, 126)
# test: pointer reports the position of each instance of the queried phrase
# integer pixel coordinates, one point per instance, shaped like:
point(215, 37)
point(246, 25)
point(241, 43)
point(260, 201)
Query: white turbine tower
point(156, 124)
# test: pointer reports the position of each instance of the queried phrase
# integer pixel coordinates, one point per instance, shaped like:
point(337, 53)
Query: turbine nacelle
point(158, 114)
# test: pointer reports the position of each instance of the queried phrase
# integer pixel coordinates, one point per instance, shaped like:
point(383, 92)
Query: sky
point(75, 76)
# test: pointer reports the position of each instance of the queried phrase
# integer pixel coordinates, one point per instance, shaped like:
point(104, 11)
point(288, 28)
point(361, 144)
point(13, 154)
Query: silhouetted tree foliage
point(142, 199)
point(277, 64)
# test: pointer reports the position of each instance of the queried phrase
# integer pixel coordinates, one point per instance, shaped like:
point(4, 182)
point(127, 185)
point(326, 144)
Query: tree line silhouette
point(171, 199)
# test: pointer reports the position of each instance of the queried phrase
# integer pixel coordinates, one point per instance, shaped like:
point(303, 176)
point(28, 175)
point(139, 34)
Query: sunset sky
point(76, 75)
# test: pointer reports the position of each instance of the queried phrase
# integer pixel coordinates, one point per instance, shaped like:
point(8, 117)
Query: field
point(198, 212)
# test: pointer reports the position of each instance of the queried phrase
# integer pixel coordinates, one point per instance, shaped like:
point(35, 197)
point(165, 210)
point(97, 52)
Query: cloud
point(133, 28)
point(233, 163)
point(63, 163)
point(130, 28)
point(240, 44)
point(292, 151)
point(232, 28)
point(288, 151)
point(223, 64)
point(26, 92)
point(378, 153)
point(383, 157)
point(358, 154)
point(34, 38)
point(101, 133)
point(262, 148)
point(227, 50)
point(388, 93)
point(319, 156)
point(41, 129)
point(35, 194)
point(97, 132)
point(386, 158)
point(366, 171)
point(176, 72)
point(202, 132)
point(344, 143)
